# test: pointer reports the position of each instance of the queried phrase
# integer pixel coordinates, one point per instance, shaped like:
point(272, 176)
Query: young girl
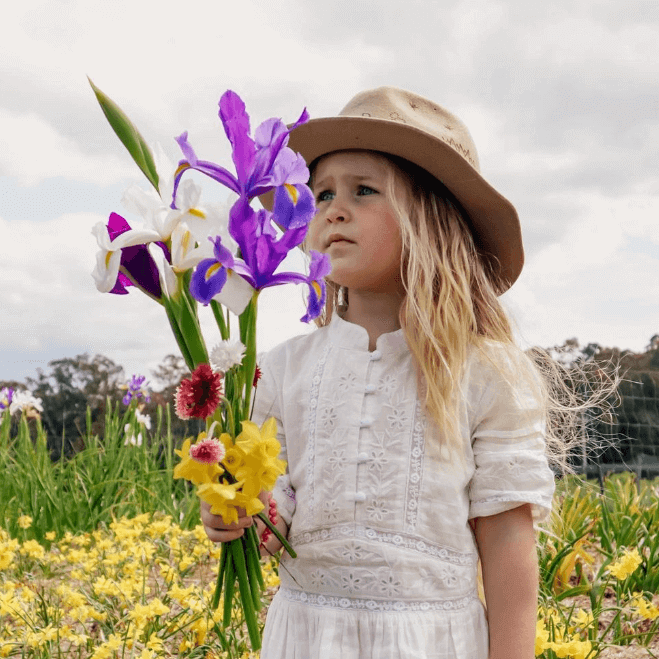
point(412, 425)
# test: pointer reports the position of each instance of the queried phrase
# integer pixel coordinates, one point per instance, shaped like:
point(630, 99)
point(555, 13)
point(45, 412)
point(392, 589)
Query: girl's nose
point(336, 211)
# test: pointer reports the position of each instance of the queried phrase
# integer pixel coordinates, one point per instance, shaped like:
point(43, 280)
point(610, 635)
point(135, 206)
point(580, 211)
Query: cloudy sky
point(562, 99)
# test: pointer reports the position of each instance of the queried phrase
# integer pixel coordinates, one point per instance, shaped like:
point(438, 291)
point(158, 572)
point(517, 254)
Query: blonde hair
point(451, 305)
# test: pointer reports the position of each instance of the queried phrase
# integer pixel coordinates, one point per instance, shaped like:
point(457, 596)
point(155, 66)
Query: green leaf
point(129, 135)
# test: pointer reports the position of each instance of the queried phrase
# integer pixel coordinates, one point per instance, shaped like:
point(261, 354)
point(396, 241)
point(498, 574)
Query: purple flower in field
point(262, 163)
point(6, 396)
point(135, 388)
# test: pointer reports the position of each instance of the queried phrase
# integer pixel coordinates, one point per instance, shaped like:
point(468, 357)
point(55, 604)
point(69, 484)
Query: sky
point(562, 100)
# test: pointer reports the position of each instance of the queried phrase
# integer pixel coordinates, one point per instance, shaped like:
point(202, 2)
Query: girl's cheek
point(313, 235)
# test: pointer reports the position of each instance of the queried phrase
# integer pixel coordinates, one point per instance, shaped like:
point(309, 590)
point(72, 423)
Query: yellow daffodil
point(221, 497)
point(25, 521)
point(193, 470)
point(646, 609)
point(626, 565)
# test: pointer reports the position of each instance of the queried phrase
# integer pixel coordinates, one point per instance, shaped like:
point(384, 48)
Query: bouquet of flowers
point(188, 254)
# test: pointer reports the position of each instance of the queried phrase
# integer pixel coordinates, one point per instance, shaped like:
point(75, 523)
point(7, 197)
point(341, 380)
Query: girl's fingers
point(217, 530)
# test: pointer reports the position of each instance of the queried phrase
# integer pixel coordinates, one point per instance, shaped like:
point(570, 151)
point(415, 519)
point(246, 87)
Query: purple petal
point(315, 301)
point(269, 131)
point(117, 225)
point(304, 117)
point(236, 126)
point(222, 253)
point(320, 265)
point(216, 172)
point(121, 284)
point(207, 280)
point(292, 213)
point(142, 269)
point(243, 226)
point(290, 167)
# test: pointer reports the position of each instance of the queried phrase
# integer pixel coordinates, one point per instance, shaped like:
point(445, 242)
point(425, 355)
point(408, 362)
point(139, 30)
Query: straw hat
point(407, 125)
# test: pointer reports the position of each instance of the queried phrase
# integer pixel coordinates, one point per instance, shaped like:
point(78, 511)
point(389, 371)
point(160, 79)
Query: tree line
point(72, 385)
point(629, 427)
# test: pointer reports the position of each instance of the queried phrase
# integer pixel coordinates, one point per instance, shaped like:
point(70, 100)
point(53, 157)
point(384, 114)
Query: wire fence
point(627, 438)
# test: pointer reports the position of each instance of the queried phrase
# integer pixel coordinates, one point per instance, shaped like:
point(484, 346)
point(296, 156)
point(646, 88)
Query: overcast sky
point(562, 99)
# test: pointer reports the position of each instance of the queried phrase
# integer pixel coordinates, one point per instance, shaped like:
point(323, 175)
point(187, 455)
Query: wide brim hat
point(404, 124)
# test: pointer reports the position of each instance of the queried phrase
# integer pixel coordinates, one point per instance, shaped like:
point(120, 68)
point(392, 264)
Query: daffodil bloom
point(192, 470)
point(646, 609)
point(25, 521)
point(222, 498)
point(625, 565)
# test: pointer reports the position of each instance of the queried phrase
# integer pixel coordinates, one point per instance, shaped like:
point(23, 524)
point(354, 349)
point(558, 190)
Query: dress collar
point(350, 336)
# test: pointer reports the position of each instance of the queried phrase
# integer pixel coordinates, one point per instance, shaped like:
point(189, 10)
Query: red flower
point(208, 451)
point(199, 396)
point(257, 375)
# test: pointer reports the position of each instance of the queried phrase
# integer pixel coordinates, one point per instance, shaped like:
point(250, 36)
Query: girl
point(412, 425)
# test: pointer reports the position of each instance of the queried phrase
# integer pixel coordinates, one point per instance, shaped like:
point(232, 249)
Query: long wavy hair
point(452, 306)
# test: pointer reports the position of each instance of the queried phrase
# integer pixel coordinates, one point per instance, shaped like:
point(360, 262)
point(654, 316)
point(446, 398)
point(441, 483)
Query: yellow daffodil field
point(102, 557)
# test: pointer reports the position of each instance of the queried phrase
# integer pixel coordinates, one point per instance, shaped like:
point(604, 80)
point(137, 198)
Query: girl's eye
point(325, 195)
point(365, 190)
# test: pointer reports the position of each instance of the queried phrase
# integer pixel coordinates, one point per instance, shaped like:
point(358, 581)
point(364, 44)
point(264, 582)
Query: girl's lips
point(335, 239)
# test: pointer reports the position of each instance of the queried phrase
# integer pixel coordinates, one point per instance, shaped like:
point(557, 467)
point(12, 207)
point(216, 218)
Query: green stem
point(266, 520)
point(253, 566)
point(246, 594)
point(222, 324)
point(220, 577)
point(229, 587)
point(248, 337)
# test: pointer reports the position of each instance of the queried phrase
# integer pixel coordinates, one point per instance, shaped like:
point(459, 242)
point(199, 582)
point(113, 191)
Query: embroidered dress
point(387, 562)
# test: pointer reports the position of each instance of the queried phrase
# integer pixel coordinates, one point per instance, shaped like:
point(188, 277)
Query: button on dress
point(386, 563)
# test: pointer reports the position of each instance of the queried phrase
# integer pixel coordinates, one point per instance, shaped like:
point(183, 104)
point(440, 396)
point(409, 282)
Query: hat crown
point(403, 107)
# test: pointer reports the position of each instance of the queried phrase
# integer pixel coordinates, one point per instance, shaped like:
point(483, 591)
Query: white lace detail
point(526, 497)
point(357, 603)
point(416, 468)
point(400, 540)
point(313, 406)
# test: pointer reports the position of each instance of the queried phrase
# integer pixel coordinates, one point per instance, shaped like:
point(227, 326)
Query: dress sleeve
point(267, 403)
point(508, 446)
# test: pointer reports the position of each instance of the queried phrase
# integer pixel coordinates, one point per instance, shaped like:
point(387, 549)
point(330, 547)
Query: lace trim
point(415, 475)
point(401, 540)
point(313, 408)
point(525, 497)
point(359, 604)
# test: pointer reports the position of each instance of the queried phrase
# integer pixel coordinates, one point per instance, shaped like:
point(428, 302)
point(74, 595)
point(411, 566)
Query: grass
point(101, 556)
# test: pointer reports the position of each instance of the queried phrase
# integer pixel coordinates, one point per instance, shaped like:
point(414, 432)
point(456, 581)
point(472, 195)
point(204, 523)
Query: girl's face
point(355, 223)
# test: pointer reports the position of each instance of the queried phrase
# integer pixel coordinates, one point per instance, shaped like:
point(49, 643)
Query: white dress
point(386, 563)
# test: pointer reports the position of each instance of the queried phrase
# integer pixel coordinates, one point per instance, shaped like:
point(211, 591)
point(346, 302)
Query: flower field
point(101, 556)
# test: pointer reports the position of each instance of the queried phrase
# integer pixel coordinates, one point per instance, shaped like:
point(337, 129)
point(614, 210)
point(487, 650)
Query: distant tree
point(170, 373)
point(67, 389)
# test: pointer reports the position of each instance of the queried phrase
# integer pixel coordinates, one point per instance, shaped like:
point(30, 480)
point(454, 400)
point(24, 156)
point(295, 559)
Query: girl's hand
point(218, 531)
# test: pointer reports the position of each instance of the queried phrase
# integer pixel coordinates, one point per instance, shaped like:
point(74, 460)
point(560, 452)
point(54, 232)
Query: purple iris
point(136, 261)
point(6, 396)
point(263, 253)
point(136, 389)
point(319, 268)
point(262, 163)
